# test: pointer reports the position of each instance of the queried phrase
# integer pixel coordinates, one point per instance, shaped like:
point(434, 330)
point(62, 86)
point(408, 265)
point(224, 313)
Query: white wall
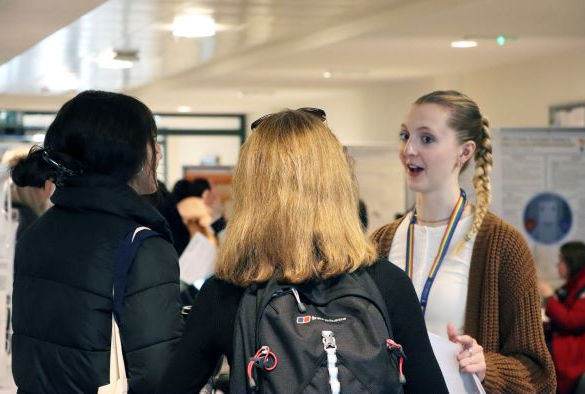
point(192, 150)
point(518, 95)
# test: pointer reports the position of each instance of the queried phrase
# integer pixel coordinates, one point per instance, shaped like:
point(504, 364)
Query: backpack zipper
point(394, 347)
point(291, 290)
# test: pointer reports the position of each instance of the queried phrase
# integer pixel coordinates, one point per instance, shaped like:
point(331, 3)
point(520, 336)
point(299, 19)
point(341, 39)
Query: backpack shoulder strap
point(244, 338)
point(254, 299)
point(365, 279)
point(124, 257)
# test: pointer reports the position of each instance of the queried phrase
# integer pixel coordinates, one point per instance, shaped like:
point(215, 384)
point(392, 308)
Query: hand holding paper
point(471, 358)
point(458, 382)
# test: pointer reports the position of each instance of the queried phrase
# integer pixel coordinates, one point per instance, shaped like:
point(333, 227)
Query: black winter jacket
point(62, 300)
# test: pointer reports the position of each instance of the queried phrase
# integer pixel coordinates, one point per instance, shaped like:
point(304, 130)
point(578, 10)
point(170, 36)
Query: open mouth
point(414, 170)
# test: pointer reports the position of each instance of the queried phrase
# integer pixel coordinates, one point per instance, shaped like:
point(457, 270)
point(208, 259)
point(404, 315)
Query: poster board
point(539, 187)
point(381, 181)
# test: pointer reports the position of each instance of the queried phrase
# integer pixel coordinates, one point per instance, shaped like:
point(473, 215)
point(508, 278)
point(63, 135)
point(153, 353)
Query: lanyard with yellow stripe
point(443, 247)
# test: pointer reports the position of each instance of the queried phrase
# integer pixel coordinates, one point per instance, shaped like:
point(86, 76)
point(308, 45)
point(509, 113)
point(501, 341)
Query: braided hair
point(470, 125)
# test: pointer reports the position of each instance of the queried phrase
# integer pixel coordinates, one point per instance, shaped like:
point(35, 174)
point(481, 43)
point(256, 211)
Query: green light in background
point(501, 40)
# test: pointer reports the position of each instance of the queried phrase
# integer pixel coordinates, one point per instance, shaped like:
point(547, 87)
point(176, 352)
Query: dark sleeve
point(219, 225)
point(207, 336)
point(421, 369)
point(151, 323)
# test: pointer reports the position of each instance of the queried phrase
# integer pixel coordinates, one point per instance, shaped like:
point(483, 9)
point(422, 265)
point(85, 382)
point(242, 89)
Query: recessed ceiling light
point(193, 26)
point(183, 108)
point(464, 44)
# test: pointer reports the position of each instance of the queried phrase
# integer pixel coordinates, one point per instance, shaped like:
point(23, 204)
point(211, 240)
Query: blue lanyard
point(456, 215)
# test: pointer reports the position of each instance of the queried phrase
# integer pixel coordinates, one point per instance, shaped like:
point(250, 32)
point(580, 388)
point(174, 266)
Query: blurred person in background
point(202, 188)
point(30, 202)
point(196, 202)
point(565, 308)
point(101, 153)
point(196, 216)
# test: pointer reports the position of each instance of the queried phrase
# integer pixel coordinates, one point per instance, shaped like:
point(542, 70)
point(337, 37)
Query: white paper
point(457, 381)
point(198, 259)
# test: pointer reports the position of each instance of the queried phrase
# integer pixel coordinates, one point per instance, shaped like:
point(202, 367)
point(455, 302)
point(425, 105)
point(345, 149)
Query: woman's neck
point(436, 207)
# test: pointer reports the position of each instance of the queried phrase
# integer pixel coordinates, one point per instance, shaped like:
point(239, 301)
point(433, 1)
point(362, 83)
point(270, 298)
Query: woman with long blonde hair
point(474, 273)
point(295, 221)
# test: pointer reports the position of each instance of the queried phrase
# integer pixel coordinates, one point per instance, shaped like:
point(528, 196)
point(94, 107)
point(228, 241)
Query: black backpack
point(318, 337)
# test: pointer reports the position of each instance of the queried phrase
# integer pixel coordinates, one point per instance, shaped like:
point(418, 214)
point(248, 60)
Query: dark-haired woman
point(566, 311)
point(101, 153)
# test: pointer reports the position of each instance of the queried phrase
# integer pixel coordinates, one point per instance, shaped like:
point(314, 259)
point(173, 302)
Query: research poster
point(539, 187)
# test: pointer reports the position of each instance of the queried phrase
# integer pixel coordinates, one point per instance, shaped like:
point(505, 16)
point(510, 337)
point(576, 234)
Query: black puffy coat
point(62, 300)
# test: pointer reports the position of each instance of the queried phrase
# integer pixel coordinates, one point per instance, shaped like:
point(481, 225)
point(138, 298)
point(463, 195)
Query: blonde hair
point(469, 124)
point(295, 212)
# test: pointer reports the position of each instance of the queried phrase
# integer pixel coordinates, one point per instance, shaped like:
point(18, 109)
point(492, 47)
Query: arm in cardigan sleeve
point(523, 363)
point(570, 319)
point(383, 236)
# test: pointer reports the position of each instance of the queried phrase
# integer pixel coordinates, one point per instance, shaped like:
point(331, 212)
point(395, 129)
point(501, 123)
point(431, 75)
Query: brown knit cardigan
point(503, 308)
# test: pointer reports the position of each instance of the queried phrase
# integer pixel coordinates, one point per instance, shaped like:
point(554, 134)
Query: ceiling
point(55, 45)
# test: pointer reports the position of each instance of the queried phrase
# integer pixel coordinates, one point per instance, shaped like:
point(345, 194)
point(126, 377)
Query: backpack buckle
point(328, 340)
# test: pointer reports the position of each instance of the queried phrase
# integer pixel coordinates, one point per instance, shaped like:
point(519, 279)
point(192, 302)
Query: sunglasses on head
point(318, 112)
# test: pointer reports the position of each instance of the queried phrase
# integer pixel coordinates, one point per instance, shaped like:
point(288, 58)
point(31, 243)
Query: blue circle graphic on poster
point(547, 218)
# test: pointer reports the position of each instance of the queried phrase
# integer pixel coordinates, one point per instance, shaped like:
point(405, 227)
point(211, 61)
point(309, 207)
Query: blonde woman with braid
point(473, 273)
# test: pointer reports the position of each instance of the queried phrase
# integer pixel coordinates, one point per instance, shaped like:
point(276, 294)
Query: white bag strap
point(139, 229)
point(118, 382)
point(117, 368)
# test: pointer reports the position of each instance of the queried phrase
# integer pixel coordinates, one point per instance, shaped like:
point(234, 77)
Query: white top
point(448, 295)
